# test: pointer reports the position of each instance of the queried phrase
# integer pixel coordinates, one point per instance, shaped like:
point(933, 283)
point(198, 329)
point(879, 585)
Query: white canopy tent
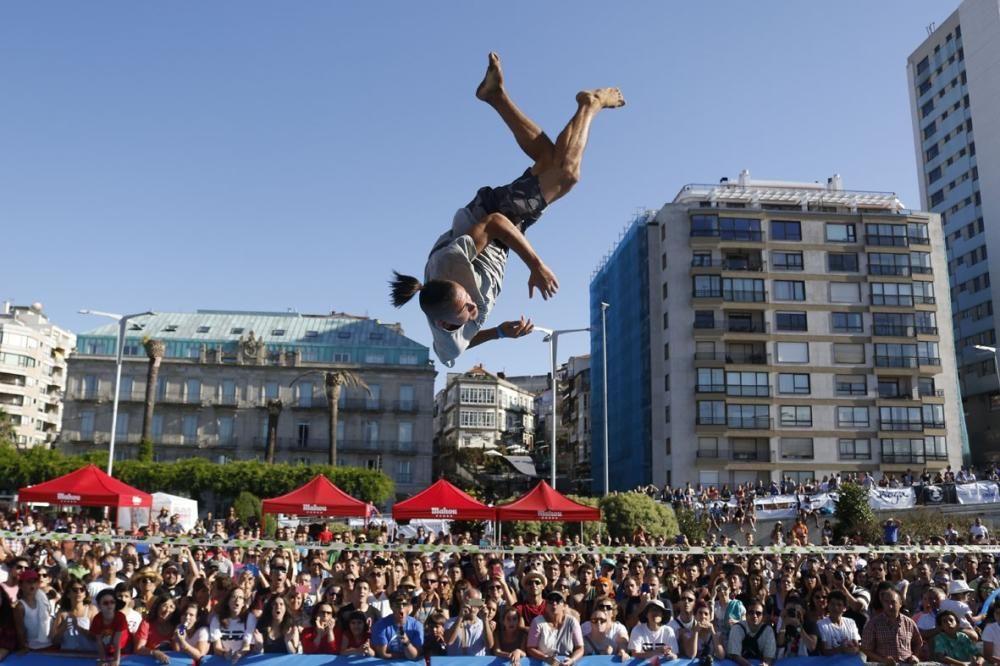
point(185, 508)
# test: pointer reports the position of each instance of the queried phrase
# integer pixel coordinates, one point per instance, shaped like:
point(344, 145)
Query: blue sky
point(267, 156)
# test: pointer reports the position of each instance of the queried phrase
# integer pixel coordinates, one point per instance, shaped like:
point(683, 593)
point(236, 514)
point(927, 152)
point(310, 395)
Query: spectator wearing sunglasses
point(753, 638)
point(653, 637)
point(602, 635)
point(533, 604)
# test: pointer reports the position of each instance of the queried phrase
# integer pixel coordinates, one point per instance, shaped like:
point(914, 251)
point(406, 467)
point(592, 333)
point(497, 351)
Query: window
point(790, 321)
point(373, 396)
point(477, 419)
point(704, 319)
point(852, 417)
point(786, 231)
point(121, 428)
point(371, 430)
point(789, 290)
point(790, 383)
point(189, 429)
point(711, 412)
point(748, 416)
point(892, 293)
point(700, 259)
point(305, 394)
point(193, 390)
point(404, 471)
point(271, 391)
point(796, 416)
point(854, 449)
point(405, 432)
point(708, 447)
point(851, 385)
point(841, 233)
point(847, 322)
point(845, 292)
point(158, 427)
point(786, 261)
point(224, 424)
point(406, 397)
point(792, 352)
point(848, 353)
point(743, 290)
point(711, 380)
point(87, 425)
point(204, 329)
point(740, 229)
point(229, 391)
point(796, 448)
point(747, 384)
point(476, 395)
point(706, 286)
point(238, 330)
point(704, 225)
point(842, 262)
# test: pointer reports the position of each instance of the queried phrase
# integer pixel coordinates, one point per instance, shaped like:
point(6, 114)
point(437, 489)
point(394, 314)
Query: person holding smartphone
point(465, 633)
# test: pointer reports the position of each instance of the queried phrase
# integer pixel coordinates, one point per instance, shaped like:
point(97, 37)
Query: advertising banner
point(890, 499)
point(978, 492)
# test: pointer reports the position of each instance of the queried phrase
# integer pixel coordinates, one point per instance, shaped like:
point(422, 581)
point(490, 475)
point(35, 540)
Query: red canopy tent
point(87, 486)
point(443, 501)
point(319, 497)
point(545, 503)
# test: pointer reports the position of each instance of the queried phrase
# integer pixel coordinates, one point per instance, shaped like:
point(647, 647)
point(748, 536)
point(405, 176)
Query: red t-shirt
point(309, 643)
point(326, 536)
point(105, 633)
point(148, 631)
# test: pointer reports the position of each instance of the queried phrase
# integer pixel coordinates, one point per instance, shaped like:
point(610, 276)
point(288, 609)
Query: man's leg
point(558, 177)
point(528, 135)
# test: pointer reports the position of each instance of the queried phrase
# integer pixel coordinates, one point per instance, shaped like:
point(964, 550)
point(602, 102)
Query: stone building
point(220, 371)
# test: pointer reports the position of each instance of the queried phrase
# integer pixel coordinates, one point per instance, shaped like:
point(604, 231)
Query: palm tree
point(154, 351)
point(273, 412)
point(335, 381)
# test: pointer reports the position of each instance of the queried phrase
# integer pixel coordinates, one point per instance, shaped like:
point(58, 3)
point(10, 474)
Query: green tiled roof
point(317, 336)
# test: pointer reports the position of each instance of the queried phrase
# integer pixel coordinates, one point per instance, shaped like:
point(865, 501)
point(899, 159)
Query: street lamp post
point(552, 337)
point(996, 360)
point(604, 384)
point(119, 353)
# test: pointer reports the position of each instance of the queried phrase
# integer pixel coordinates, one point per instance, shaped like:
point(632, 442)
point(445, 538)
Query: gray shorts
point(521, 201)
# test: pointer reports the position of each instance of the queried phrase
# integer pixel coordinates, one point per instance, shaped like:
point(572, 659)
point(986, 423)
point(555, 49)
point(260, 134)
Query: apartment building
point(955, 105)
point(32, 372)
point(795, 330)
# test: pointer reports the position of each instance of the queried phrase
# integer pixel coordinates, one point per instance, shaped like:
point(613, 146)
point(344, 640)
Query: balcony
point(901, 426)
point(912, 458)
point(749, 423)
point(735, 358)
point(924, 300)
point(741, 264)
point(748, 391)
point(921, 270)
point(919, 240)
point(751, 455)
point(887, 241)
point(706, 293)
point(710, 420)
point(744, 296)
point(710, 454)
point(746, 326)
point(710, 388)
point(926, 330)
point(906, 361)
point(405, 406)
point(893, 331)
point(888, 269)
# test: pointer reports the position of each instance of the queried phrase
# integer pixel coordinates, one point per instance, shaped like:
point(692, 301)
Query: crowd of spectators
point(112, 599)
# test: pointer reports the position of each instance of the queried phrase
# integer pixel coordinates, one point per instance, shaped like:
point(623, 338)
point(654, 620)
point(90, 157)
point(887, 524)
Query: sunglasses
point(534, 582)
point(606, 607)
point(430, 581)
point(598, 619)
point(688, 599)
point(755, 613)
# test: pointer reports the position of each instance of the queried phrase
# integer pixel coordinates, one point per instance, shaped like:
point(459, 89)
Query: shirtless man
point(465, 269)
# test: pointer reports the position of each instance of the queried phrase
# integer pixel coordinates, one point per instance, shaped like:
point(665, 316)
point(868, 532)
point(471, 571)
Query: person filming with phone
point(465, 633)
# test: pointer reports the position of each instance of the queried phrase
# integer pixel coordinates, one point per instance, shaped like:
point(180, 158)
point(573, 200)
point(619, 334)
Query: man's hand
point(517, 329)
point(544, 280)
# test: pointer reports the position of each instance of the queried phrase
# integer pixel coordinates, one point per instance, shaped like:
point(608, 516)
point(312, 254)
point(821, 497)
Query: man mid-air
point(464, 272)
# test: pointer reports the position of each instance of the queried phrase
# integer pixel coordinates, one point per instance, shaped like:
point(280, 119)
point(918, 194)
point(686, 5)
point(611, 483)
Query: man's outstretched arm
point(511, 329)
point(497, 226)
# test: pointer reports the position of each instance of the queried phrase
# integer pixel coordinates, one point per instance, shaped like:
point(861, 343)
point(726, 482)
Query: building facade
point(32, 373)
point(623, 280)
point(219, 371)
point(793, 332)
point(955, 106)
point(575, 414)
point(481, 410)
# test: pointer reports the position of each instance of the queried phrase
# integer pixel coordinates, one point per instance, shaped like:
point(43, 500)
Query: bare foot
point(492, 83)
point(608, 98)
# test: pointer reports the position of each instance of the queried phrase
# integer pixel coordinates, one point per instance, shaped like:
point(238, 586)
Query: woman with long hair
point(508, 642)
point(191, 634)
point(231, 626)
point(320, 637)
point(157, 629)
point(355, 639)
point(276, 632)
point(71, 629)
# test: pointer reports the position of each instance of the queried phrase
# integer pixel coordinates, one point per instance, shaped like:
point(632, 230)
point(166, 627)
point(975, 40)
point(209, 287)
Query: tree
point(692, 526)
point(627, 513)
point(274, 408)
point(7, 433)
point(855, 518)
point(247, 507)
point(154, 352)
point(335, 381)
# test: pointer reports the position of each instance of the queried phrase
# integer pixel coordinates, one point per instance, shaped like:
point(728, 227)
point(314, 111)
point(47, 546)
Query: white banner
point(978, 492)
point(889, 499)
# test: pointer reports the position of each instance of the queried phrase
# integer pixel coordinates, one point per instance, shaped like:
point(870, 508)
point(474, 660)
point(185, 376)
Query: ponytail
point(403, 288)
